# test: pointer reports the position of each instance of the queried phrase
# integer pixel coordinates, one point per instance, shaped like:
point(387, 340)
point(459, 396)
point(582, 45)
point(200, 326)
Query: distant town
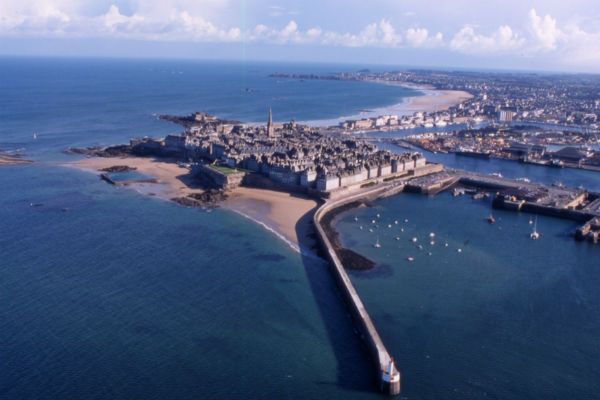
point(522, 143)
point(543, 119)
point(551, 99)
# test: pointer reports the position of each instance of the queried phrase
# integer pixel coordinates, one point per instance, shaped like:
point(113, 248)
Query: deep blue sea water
point(126, 296)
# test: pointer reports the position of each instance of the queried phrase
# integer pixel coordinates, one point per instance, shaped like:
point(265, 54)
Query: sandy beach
point(173, 180)
point(289, 215)
point(436, 100)
point(431, 100)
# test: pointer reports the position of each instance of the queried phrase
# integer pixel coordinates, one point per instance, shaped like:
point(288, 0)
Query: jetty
point(388, 374)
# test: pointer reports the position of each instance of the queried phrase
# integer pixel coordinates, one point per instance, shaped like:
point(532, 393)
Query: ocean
point(126, 296)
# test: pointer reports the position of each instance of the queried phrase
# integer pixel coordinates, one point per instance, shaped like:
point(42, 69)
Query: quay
point(561, 202)
point(388, 374)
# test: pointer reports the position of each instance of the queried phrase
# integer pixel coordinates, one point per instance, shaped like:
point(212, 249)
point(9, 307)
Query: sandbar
point(12, 160)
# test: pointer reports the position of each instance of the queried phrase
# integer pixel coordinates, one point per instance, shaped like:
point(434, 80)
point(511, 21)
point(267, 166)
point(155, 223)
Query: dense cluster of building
point(532, 145)
point(395, 122)
point(504, 97)
point(287, 153)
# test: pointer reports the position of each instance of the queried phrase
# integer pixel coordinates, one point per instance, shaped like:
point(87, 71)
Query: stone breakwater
point(350, 259)
point(388, 375)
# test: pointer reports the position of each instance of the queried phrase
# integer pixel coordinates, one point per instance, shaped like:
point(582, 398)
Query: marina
point(501, 283)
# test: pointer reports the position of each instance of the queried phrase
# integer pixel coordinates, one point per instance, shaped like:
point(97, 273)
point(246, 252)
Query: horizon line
point(445, 68)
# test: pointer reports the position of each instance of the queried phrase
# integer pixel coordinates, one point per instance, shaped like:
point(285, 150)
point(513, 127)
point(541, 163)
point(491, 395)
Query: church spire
point(270, 129)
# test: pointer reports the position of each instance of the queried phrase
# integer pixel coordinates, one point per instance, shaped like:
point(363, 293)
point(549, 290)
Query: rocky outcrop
point(123, 150)
point(118, 168)
point(210, 197)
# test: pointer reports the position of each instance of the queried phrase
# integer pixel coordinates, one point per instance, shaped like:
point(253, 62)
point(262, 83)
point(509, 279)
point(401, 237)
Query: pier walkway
point(389, 376)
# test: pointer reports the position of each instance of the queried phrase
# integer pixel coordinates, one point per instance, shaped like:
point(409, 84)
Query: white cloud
point(380, 34)
point(571, 44)
point(288, 34)
point(502, 40)
point(544, 31)
point(206, 21)
point(419, 37)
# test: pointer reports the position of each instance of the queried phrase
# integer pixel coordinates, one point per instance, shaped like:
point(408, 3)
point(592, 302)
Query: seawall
point(388, 375)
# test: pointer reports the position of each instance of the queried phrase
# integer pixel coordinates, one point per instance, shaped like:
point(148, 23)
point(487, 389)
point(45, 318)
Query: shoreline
point(288, 216)
point(7, 159)
point(172, 180)
point(432, 100)
point(284, 214)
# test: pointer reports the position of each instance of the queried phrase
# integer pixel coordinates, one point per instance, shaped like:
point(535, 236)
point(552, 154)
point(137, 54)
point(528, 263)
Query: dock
point(514, 195)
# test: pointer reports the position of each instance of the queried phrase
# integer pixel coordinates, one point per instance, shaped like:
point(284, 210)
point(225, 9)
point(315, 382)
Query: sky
point(510, 34)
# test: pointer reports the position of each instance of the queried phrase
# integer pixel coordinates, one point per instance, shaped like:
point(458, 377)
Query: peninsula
point(293, 178)
point(262, 172)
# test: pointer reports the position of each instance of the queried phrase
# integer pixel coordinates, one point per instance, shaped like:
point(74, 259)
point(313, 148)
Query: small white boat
point(411, 259)
point(396, 222)
point(535, 235)
point(432, 235)
point(377, 244)
point(459, 250)
point(414, 239)
point(397, 237)
point(360, 227)
point(390, 225)
point(378, 215)
point(370, 230)
point(34, 135)
point(432, 243)
point(372, 221)
point(356, 218)
point(406, 220)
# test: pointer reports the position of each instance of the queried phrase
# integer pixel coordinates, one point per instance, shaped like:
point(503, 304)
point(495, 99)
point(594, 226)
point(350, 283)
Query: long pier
point(388, 374)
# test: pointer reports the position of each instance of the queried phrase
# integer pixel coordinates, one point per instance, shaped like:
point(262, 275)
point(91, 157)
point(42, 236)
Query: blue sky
point(509, 34)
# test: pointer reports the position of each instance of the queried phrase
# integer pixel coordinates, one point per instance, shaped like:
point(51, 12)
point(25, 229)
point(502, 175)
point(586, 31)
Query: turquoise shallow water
point(126, 296)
